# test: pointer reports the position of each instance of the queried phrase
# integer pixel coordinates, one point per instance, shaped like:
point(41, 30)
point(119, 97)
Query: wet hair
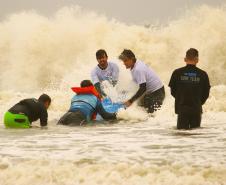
point(127, 54)
point(44, 98)
point(86, 83)
point(100, 53)
point(192, 54)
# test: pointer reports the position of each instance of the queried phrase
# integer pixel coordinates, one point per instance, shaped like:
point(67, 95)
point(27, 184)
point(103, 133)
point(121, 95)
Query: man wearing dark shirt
point(26, 111)
point(190, 87)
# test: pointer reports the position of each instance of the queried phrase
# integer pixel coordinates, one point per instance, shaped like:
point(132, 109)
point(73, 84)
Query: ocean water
point(50, 55)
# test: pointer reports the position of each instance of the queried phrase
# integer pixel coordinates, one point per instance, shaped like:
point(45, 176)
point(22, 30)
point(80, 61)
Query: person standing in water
point(190, 87)
point(104, 71)
point(26, 111)
point(151, 89)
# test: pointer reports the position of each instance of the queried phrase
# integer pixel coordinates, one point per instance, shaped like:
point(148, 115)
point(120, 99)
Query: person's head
point(128, 58)
point(45, 99)
point(102, 58)
point(86, 83)
point(192, 56)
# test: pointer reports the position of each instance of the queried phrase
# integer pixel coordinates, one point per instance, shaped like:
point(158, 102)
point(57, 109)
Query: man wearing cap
point(151, 89)
point(190, 87)
point(104, 71)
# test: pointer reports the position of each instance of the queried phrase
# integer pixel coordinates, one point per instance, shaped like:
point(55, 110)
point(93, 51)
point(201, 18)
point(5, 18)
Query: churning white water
point(50, 55)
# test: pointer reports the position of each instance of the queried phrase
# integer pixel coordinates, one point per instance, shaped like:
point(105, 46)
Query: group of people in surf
point(189, 86)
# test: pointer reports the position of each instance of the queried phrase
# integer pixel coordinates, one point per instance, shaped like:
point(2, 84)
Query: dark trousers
point(188, 121)
point(72, 119)
point(153, 101)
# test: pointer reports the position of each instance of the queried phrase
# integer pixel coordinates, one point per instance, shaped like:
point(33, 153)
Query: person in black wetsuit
point(190, 87)
point(26, 111)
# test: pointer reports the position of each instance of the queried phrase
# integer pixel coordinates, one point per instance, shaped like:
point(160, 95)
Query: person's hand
point(127, 103)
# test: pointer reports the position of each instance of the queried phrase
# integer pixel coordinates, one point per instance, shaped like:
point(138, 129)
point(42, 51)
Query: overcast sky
point(129, 11)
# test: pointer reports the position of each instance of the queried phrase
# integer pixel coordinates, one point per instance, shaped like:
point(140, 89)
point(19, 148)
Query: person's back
point(190, 88)
point(86, 103)
point(26, 111)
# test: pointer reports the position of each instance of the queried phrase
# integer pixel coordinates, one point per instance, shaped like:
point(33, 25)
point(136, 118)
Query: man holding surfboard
point(151, 90)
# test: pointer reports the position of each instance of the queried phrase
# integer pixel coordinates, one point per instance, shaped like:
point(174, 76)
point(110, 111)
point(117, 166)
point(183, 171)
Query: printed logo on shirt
point(106, 76)
point(109, 75)
point(190, 78)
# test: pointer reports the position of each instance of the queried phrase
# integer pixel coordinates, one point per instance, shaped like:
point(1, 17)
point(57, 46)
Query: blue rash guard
point(88, 104)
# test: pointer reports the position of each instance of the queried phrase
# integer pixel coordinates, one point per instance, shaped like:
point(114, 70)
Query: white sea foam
point(40, 54)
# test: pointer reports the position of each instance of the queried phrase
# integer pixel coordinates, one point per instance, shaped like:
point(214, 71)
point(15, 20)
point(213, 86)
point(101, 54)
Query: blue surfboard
point(109, 106)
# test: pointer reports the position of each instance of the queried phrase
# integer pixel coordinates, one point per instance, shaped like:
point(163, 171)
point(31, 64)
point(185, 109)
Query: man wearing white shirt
point(151, 89)
point(104, 71)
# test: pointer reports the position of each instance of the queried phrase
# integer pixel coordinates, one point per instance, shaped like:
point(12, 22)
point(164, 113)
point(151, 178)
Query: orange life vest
point(87, 90)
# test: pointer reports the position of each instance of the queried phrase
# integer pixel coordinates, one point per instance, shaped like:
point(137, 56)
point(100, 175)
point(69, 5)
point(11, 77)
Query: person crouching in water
point(26, 111)
point(84, 106)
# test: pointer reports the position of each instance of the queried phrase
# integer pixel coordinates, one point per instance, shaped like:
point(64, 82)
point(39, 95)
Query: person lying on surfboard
point(84, 106)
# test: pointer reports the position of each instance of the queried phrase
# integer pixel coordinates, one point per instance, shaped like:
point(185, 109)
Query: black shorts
point(153, 101)
point(73, 119)
point(188, 121)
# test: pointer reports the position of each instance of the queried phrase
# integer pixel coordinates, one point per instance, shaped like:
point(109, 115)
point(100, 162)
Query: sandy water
point(40, 54)
point(150, 152)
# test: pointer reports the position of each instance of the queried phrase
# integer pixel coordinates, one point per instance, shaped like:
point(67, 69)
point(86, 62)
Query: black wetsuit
point(190, 87)
point(33, 109)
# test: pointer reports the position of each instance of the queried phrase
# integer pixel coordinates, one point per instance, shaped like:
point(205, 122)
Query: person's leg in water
point(153, 101)
point(188, 121)
point(73, 119)
point(183, 121)
point(195, 121)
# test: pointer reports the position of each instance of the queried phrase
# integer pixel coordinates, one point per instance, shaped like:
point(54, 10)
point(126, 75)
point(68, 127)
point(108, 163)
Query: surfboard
point(110, 106)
